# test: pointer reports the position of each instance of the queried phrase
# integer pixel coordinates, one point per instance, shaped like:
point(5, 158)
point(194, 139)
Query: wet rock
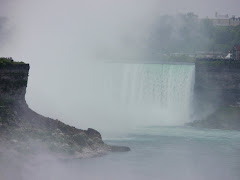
point(93, 133)
point(120, 149)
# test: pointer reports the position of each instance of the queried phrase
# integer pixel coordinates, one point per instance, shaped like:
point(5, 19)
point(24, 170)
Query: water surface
point(165, 153)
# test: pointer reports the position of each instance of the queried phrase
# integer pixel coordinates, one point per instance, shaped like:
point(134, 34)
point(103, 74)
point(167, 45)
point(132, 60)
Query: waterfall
point(156, 94)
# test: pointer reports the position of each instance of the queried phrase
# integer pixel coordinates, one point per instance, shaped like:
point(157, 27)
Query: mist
point(4, 31)
point(66, 42)
point(75, 49)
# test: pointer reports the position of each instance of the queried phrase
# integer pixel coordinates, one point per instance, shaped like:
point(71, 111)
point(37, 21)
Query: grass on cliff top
point(7, 61)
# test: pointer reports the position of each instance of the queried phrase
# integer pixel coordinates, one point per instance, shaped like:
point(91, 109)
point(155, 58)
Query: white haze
point(65, 42)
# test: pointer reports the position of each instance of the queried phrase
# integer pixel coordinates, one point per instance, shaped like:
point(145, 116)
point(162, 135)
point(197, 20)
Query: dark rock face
point(218, 84)
point(13, 83)
point(20, 127)
point(217, 95)
point(92, 132)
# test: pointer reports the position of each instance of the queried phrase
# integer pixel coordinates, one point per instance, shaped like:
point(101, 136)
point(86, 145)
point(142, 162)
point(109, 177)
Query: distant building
point(234, 21)
point(236, 53)
point(225, 20)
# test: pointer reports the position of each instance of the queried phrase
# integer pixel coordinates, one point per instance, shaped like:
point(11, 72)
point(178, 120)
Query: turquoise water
point(165, 153)
point(176, 153)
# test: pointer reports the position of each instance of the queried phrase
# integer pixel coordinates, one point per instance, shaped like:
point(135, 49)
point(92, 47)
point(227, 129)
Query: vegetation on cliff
point(8, 62)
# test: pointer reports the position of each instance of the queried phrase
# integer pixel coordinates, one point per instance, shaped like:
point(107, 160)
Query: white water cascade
point(153, 94)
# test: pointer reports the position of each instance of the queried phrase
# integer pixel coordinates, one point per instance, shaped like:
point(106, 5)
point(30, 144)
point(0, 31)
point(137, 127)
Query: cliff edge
point(23, 130)
point(217, 94)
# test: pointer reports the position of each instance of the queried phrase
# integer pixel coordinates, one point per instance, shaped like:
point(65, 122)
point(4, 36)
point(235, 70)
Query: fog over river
point(74, 48)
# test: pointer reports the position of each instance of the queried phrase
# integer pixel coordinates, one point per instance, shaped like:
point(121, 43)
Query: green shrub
point(7, 61)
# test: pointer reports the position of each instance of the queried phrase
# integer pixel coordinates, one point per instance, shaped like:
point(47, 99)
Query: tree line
point(186, 33)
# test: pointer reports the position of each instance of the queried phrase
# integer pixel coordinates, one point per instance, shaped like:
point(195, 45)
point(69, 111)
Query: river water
point(158, 153)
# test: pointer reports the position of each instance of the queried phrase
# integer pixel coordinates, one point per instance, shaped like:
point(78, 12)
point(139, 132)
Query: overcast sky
point(201, 7)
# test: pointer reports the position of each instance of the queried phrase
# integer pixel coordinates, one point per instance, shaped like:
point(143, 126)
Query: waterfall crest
point(157, 94)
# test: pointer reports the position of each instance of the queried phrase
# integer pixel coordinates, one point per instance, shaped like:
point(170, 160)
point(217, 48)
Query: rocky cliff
point(13, 83)
point(23, 130)
point(217, 95)
point(218, 83)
